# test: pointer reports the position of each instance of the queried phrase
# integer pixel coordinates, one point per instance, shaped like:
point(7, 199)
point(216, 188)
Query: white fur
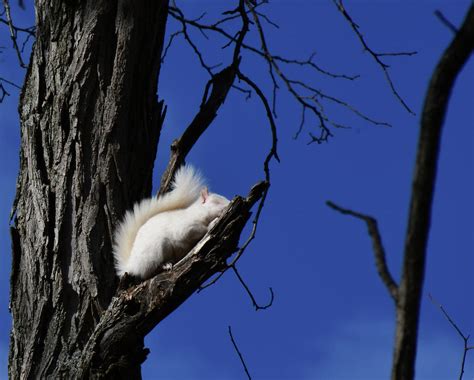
point(160, 231)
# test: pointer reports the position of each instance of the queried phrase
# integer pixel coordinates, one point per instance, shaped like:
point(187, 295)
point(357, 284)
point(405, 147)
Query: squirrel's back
point(187, 185)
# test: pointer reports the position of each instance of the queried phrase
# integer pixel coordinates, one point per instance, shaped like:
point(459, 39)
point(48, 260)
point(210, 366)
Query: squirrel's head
point(215, 203)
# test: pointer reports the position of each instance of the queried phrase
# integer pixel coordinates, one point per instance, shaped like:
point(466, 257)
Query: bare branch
point(375, 56)
point(235, 15)
point(13, 32)
point(137, 309)
point(310, 62)
point(409, 290)
point(10, 83)
point(239, 353)
point(274, 70)
point(273, 150)
point(445, 21)
point(254, 302)
point(465, 338)
point(221, 83)
point(266, 166)
point(318, 93)
point(3, 93)
point(378, 248)
point(170, 42)
point(184, 32)
point(3, 90)
point(424, 179)
point(267, 19)
point(30, 30)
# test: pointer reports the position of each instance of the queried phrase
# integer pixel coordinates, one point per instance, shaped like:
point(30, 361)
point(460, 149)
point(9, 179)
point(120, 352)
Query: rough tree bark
point(90, 123)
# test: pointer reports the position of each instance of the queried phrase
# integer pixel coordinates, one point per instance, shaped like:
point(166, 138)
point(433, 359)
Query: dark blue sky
point(331, 318)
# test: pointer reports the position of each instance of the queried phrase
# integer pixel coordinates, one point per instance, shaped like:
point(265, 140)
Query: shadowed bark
point(424, 179)
point(90, 123)
point(117, 342)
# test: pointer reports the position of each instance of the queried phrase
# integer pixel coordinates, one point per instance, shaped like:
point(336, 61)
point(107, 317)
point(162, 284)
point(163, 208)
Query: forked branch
point(410, 287)
point(465, 338)
point(13, 29)
point(135, 311)
point(376, 56)
point(311, 99)
point(377, 246)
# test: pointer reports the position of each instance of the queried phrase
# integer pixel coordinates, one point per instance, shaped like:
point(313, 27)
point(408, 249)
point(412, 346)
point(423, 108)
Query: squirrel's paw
point(167, 266)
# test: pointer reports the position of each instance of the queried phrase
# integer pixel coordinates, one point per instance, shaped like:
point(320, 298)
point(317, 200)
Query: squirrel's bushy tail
point(186, 188)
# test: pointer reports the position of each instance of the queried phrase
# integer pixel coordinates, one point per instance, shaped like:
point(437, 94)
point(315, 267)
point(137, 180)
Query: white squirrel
point(160, 231)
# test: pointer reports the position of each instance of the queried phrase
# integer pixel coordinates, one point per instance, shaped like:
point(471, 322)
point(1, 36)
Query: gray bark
point(424, 179)
point(90, 123)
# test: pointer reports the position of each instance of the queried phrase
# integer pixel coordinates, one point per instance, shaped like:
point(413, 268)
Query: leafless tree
point(90, 125)
point(407, 294)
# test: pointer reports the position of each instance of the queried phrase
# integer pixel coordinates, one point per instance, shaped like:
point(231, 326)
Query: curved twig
point(239, 353)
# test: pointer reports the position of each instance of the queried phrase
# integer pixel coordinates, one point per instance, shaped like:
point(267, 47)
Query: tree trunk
point(90, 124)
point(424, 179)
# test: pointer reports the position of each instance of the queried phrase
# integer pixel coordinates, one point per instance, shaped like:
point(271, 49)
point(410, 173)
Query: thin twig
point(445, 21)
point(254, 302)
point(13, 32)
point(170, 42)
point(239, 353)
point(266, 166)
point(30, 30)
point(3, 91)
point(187, 37)
point(465, 338)
point(220, 83)
point(333, 99)
point(375, 56)
point(273, 61)
point(10, 83)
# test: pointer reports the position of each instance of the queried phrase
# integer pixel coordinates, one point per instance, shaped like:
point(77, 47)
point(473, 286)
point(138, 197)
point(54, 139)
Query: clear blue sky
point(331, 318)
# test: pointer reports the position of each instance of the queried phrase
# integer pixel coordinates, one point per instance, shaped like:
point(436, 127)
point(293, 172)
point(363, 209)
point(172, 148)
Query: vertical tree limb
point(419, 220)
point(408, 294)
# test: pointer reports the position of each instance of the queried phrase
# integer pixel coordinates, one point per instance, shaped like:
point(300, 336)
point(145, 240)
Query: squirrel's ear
point(204, 194)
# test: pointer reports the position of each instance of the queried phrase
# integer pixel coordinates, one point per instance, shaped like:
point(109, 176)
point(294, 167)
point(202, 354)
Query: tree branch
point(239, 353)
point(432, 120)
point(410, 288)
point(221, 84)
point(375, 56)
point(134, 312)
point(254, 302)
point(297, 88)
point(465, 338)
point(13, 32)
point(3, 90)
point(445, 21)
point(378, 248)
